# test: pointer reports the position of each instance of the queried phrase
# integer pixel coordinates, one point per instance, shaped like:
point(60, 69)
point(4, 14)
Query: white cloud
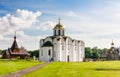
point(28, 41)
point(22, 19)
point(47, 25)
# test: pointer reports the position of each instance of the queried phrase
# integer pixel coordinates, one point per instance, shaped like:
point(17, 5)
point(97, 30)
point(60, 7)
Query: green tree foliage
point(0, 51)
point(88, 52)
point(103, 53)
point(34, 53)
point(94, 53)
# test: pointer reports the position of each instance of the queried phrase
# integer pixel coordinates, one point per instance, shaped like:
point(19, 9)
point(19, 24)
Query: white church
point(60, 47)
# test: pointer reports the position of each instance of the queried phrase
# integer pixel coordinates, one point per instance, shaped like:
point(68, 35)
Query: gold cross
point(59, 20)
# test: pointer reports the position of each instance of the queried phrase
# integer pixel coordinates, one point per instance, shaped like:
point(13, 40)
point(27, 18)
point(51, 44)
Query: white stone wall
point(45, 51)
point(61, 49)
point(55, 49)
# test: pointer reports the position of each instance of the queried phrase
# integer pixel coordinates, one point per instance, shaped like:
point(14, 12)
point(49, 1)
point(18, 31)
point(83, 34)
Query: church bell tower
point(59, 30)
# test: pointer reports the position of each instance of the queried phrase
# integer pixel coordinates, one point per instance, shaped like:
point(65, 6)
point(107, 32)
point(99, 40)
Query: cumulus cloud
point(47, 25)
point(22, 19)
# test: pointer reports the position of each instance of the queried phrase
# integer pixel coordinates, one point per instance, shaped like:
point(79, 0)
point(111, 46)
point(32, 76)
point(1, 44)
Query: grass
point(7, 66)
point(82, 69)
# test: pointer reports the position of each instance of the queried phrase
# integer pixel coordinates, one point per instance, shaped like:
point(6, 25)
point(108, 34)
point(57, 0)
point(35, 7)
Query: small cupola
point(59, 29)
point(112, 44)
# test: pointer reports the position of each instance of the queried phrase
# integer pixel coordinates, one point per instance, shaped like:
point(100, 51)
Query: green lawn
point(81, 69)
point(7, 66)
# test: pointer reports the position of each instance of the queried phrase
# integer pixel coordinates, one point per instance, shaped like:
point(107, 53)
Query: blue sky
point(96, 22)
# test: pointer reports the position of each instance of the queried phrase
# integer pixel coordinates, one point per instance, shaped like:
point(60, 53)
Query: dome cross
point(59, 20)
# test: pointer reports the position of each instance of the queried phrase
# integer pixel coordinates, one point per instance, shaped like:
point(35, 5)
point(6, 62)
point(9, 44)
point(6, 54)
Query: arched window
point(55, 32)
point(49, 52)
point(58, 32)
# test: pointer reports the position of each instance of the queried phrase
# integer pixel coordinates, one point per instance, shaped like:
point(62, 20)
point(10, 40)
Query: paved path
point(25, 71)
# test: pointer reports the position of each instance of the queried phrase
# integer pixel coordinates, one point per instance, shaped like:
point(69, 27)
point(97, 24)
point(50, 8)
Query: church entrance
point(68, 58)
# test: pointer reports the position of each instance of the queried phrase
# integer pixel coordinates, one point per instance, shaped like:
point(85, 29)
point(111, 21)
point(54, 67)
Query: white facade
point(60, 47)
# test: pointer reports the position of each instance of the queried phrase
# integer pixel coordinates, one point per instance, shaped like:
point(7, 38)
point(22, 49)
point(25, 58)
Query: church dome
point(59, 26)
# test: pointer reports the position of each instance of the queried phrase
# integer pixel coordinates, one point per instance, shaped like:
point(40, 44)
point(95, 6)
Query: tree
point(95, 54)
point(1, 51)
point(34, 53)
point(103, 53)
point(88, 53)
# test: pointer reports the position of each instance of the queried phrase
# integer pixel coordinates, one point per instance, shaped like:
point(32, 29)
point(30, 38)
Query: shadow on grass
point(107, 69)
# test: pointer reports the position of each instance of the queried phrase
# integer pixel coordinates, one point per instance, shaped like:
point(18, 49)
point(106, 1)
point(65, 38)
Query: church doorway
point(68, 58)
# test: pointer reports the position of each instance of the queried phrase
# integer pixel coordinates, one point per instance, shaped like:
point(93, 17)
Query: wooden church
point(15, 52)
point(113, 53)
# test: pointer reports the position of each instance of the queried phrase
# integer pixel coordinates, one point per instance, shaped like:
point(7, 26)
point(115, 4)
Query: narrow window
point(54, 54)
point(63, 32)
point(55, 32)
point(62, 47)
point(49, 52)
point(41, 52)
point(58, 32)
point(75, 48)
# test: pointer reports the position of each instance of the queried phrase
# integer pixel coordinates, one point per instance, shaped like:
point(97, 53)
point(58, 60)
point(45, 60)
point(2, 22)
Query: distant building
point(60, 47)
point(15, 52)
point(113, 53)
